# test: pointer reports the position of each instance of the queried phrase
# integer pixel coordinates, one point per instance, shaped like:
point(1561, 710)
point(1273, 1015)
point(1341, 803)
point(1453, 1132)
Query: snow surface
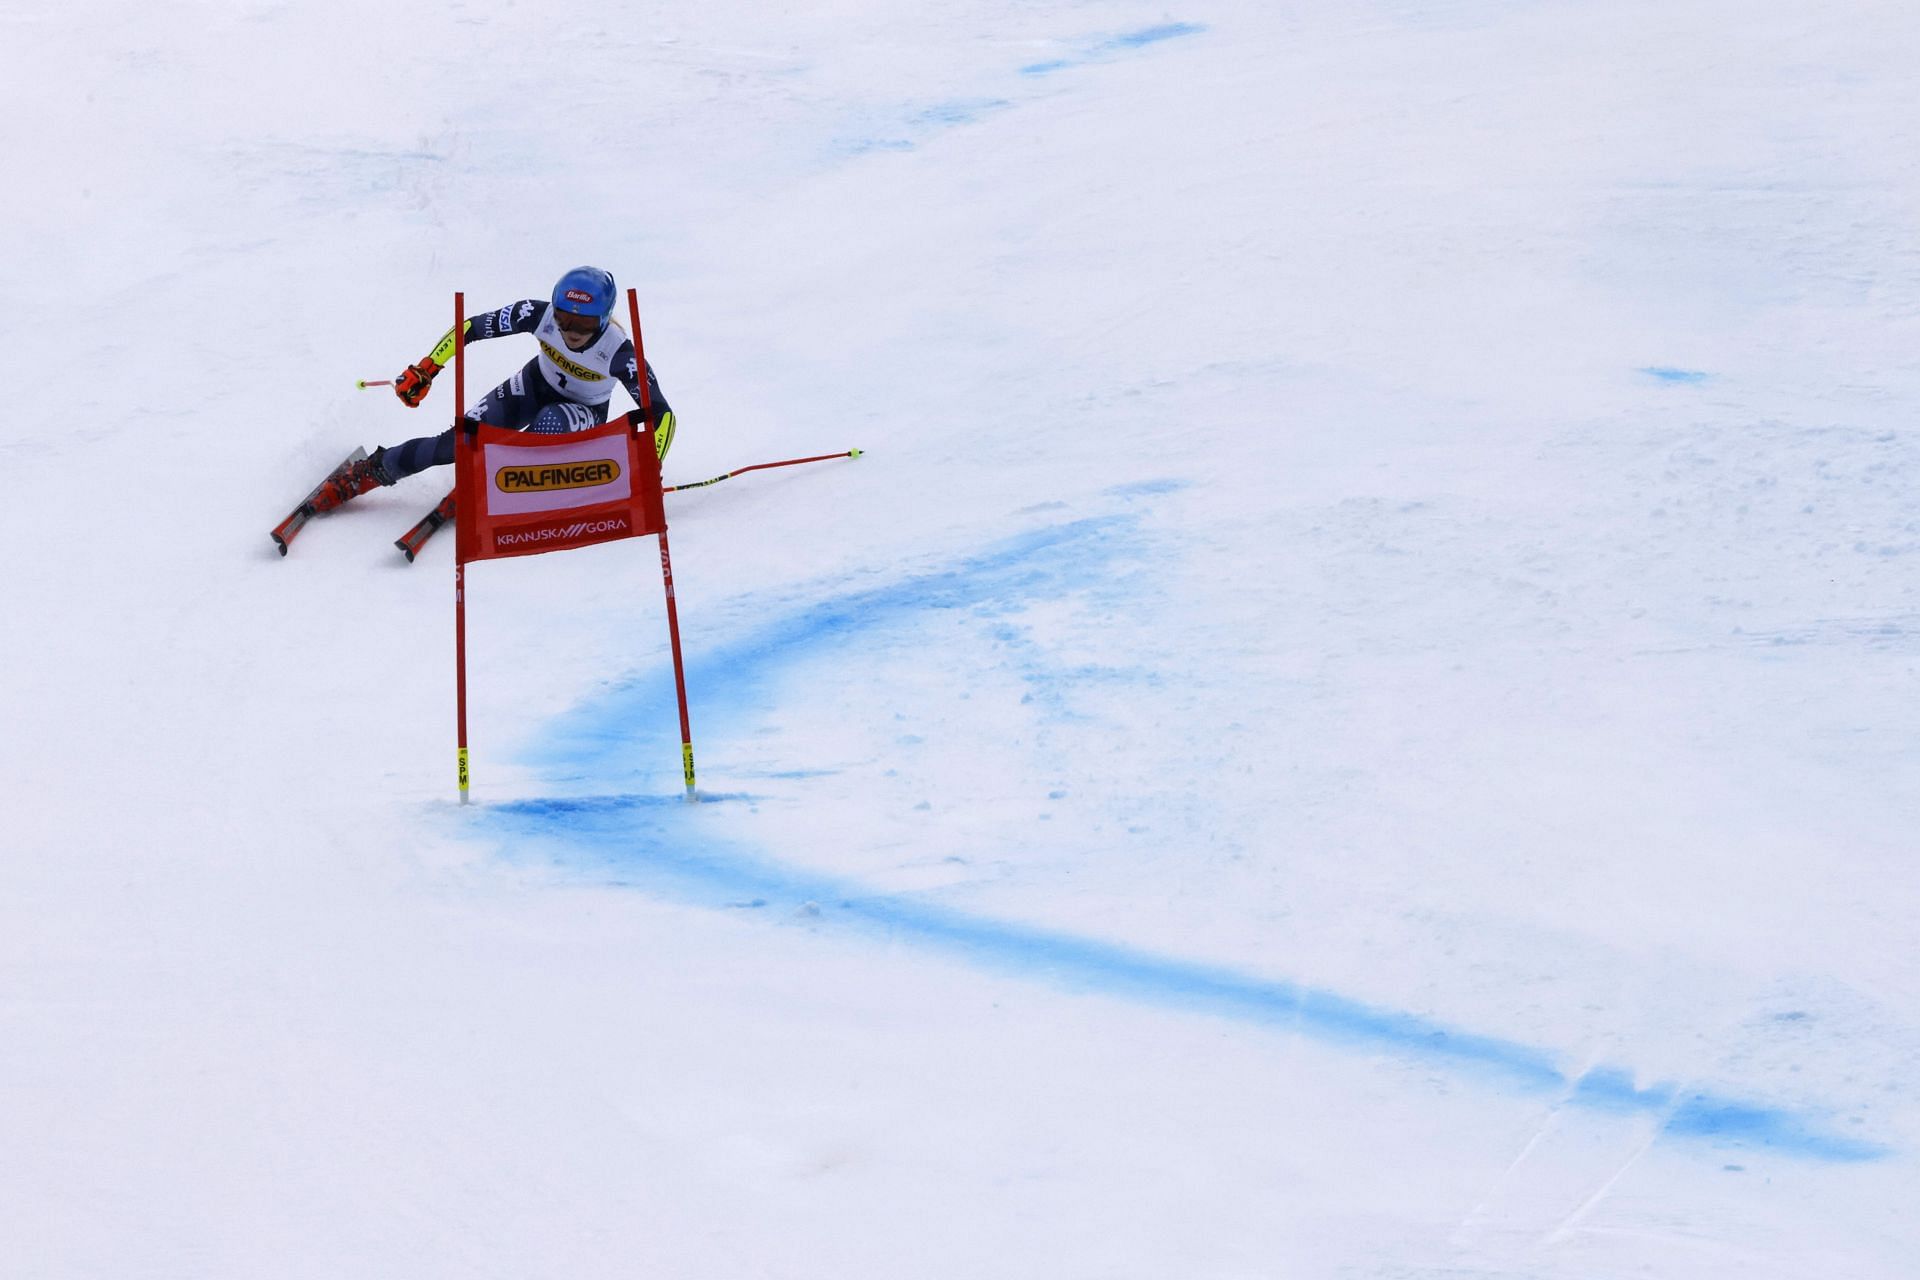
point(1355, 721)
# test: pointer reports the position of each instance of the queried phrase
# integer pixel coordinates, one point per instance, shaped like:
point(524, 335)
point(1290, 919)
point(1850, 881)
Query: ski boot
point(350, 481)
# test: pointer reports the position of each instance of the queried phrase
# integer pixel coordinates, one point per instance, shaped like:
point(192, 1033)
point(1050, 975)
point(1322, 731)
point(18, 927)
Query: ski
point(285, 532)
point(415, 538)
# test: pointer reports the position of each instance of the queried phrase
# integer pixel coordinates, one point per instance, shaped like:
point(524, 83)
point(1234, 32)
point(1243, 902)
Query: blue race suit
point(558, 391)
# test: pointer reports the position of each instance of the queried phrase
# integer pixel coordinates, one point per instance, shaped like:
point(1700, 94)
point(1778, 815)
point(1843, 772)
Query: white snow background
point(1356, 720)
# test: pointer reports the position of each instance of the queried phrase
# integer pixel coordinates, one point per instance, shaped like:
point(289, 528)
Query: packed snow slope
point(1355, 719)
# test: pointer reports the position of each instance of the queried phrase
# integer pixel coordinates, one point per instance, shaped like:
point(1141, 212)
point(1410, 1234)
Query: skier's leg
point(513, 403)
point(507, 405)
point(403, 460)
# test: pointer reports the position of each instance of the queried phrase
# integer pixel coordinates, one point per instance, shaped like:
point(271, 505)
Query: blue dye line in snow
point(963, 111)
point(643, 842)
point(1093, 51)
point(729, 680)
point(918, 124)
point(1145, 489)
point(649, 842)
point(1666, 374)
point(861, 146)
point(924, 121)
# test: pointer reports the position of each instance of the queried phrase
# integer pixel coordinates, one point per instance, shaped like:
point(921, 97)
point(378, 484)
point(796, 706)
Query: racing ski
point(415, 538)
point(285, 532)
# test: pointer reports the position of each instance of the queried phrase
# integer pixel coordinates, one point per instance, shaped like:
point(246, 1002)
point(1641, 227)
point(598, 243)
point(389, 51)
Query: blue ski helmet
point(585, 291)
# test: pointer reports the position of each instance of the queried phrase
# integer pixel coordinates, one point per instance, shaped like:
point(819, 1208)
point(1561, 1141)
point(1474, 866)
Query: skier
point(567, 387)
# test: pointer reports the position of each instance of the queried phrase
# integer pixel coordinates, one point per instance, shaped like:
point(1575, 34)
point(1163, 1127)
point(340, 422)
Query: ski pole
point(364, 383)
point(416, 537)
point(761, 466)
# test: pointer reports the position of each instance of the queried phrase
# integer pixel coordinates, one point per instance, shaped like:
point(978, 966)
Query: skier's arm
point(515, 317)
point(626, 366)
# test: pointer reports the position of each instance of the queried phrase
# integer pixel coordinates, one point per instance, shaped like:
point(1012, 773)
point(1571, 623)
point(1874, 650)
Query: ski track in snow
point(645, 842)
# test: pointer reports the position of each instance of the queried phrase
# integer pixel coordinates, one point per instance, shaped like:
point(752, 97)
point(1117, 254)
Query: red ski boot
point(350, 481)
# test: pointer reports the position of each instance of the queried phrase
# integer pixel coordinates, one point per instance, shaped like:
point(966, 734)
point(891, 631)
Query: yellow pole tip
point(854, 453)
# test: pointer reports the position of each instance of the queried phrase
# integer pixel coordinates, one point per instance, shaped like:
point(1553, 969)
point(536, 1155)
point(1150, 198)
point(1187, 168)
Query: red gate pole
point(666, 559)
point(461, 446)
point(679, 669)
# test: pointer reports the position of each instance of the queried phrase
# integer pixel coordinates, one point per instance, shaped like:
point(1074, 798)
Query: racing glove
point(413, 385)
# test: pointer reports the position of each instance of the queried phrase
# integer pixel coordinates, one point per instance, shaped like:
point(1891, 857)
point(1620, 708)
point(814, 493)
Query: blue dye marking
point(1612, 1089)
point(917, 125)
point(1096, 50)
point(1674, 375)
point(960, 112)
point(1154, 35)
point(861, 146)
point(652, 842)
point(1146, 488)
point(1703, 1115)
point(643, 842)
point(726, 682)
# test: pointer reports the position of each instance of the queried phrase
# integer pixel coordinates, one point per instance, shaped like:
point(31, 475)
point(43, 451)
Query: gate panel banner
point(522, 494)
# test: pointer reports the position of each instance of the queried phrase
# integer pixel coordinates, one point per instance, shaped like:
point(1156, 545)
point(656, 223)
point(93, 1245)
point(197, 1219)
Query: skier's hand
point(413, 385)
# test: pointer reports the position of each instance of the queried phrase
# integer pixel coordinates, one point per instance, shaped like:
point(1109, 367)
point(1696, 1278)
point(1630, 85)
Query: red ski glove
point(412, 386)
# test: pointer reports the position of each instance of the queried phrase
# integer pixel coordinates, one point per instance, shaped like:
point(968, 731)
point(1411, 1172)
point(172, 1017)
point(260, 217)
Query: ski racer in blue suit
point(568, 386)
